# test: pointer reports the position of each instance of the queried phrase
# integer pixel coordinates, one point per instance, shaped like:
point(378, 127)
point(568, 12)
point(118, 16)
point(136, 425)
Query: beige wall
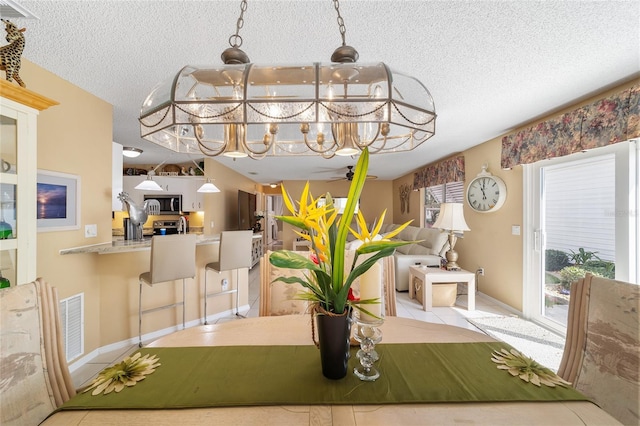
point(490, 244)
point(75, 137)
point(221, 208)
point(414, 202)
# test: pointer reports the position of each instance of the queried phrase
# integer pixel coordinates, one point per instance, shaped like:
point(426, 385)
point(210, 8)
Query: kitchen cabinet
point(187, 186)
point(192, 200)
point(19, 109)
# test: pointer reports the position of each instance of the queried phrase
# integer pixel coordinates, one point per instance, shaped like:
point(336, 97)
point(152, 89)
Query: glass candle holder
point(367, 332)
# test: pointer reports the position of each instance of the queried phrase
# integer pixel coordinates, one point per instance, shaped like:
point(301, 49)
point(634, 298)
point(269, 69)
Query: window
point(452, 192)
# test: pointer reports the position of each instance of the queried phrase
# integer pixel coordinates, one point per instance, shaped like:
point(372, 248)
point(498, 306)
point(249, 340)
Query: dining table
point(238, 338)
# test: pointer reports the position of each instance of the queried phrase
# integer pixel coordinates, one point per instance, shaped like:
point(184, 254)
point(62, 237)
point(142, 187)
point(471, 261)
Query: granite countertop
point(119, 245)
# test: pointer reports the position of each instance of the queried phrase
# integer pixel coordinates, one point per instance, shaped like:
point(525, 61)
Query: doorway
point(273, 226)
point(580, 216)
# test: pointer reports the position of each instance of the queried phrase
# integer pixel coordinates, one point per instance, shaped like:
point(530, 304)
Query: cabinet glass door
point(8, 205)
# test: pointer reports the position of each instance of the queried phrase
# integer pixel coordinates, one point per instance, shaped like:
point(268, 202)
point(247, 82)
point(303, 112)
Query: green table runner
point(291, 375)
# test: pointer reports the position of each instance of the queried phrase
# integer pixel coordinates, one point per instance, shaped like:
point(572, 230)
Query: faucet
point(182, 225)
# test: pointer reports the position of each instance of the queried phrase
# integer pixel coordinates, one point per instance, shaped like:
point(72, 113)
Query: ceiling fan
point(349, 175)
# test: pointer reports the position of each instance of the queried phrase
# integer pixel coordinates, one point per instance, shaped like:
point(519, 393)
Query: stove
point(165, 227)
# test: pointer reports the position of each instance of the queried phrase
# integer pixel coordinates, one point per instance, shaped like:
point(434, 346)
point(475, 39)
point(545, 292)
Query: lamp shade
point(149, 185)
point(451, 218)
point(208, 187)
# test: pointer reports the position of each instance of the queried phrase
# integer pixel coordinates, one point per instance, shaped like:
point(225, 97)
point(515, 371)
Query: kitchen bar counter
point(124, 246)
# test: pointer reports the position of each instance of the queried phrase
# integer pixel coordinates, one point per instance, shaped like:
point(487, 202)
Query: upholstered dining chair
point(173, 257)
point(602, 351)
point(234, 253)
point(34, 375)
point(278, 298)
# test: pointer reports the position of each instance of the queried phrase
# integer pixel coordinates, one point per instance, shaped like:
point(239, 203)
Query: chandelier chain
point(344, 114)
point(235, 40)
point(166, 111)
point(227, 111)
point(287, 117)
point(415, 123)
point(341, 25)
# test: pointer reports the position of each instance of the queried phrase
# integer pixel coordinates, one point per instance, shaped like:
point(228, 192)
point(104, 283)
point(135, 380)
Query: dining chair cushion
point(277, 297)
point(601, 353)
point(35, 377)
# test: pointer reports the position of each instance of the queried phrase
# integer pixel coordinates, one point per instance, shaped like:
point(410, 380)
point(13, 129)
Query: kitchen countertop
point(118, 245)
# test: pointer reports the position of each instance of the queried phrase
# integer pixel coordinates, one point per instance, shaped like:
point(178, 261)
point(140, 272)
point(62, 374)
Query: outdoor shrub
point(582, 256)
point(601, 268)
point(571, 274)
point(555, 260)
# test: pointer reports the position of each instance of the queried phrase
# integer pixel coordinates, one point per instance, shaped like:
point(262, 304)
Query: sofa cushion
point(434, 240)
point(410, 233)
point(404, 249)
point(419, 250)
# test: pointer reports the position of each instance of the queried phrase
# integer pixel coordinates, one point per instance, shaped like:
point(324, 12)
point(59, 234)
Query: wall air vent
point(72, 321)
point(9, 9)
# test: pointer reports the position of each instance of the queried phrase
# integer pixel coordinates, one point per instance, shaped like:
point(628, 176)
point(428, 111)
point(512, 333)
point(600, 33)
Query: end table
point(430, 276)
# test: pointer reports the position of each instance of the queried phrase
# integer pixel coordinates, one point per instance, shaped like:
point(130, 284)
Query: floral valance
point(450, 170)
point(604, 122)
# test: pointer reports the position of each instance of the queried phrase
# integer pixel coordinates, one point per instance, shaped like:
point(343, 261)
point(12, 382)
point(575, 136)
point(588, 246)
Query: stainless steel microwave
point(169, 204)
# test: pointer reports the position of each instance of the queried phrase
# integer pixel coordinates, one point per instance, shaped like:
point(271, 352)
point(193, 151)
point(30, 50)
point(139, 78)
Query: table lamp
point(451, 219)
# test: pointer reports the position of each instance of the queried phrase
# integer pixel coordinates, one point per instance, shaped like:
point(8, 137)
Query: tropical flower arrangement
point(329, 287)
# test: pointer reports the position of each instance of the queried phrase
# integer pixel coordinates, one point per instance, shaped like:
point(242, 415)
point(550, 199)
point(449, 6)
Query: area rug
point(532, 340)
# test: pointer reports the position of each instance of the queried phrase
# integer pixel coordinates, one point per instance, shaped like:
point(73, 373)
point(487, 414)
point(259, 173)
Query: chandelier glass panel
point(327, 109)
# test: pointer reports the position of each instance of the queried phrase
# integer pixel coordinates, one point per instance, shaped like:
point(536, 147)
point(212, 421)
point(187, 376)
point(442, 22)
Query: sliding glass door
point(581, 215)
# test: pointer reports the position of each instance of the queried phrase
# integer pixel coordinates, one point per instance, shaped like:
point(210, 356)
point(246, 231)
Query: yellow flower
point(319, 224)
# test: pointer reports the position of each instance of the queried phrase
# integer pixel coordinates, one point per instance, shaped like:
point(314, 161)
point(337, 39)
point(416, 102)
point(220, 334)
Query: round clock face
point(486, 193)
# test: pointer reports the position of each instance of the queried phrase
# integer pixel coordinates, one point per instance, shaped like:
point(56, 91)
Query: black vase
point(334, 333)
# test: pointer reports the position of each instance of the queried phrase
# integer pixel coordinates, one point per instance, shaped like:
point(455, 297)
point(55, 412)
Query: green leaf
point(292, 260)
point(355, 189)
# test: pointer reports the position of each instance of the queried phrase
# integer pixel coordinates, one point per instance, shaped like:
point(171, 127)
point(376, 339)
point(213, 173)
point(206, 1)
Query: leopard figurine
point(10, 54)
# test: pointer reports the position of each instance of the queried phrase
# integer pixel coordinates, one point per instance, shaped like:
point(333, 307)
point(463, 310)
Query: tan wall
point(75, 137)
point(222, 207)
point(414, 202)
point(490, 244)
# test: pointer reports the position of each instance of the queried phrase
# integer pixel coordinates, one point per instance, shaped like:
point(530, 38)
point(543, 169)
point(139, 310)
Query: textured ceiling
point(490, 65)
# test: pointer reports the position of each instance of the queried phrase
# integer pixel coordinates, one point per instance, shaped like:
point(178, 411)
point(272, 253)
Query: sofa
point(429, 251)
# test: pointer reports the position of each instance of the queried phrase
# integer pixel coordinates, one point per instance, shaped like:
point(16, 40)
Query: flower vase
point(334, 333)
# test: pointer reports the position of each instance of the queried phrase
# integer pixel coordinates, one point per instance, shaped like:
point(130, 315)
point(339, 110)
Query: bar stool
point(234, 253)
point(173, 257)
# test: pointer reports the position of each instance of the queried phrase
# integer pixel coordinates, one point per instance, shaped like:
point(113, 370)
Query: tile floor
point(406, 308)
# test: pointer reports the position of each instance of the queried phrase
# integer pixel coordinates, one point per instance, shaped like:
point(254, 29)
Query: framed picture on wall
point(58, 201)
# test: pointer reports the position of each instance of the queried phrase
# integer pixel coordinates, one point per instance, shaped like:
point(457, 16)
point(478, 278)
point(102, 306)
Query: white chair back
point(173, 257)
point(35, 375)
point(235, 250)
point(601, 355)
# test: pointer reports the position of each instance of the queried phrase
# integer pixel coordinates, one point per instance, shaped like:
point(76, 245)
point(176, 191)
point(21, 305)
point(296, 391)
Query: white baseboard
point(499, 303)
point(123, 344)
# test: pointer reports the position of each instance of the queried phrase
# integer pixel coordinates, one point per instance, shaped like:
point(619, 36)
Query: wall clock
point(486, 193)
